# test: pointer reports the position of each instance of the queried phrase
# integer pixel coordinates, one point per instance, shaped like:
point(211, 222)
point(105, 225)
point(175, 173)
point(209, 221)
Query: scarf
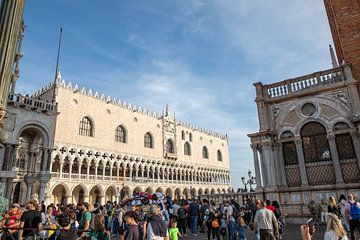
point(158, 225)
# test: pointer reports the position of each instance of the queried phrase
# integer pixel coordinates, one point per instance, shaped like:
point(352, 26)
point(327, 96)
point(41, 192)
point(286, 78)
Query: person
point(204, 214)
point(230, 220)
point(30, 219)
point(241, 228)
point(342, 202)
point(99, 231)
point(352, 213)
point(223, 227)
point(209, 221)
point(333, 207)
point(156, 227)
point(323, 206)
point(174, 232)
point(334, 229)
point(181, 219)
point(278, 216)
point(132, 232)
point(66, 232)
point(215, 225)
point(47, 222)
point(12, 220)
point(194, 215)
point(74, 222)
point(85, 221)
point(313, 209)
point(266, 221)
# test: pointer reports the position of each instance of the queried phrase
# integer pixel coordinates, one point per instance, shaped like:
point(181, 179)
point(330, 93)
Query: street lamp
point(250, 181)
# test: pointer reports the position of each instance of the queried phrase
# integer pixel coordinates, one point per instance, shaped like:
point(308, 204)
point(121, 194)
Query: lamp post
point(250, 181)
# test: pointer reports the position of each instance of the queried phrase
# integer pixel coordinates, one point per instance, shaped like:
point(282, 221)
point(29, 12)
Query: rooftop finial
point(333, 57)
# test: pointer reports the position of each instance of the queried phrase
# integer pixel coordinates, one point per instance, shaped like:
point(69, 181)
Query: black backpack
point(181, 213)
point(235, 213)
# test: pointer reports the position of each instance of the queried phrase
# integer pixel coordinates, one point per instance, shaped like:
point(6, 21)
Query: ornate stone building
point(308, 143)
point(97, 148)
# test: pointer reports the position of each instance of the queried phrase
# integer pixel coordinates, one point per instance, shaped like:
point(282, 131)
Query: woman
point(132, 232)
point(99, 231)
point(334, 229)
point(333, 207)
point(342, 202)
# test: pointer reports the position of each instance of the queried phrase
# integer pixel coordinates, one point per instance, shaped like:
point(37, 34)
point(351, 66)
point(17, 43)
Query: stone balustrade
point(19, 100)
point(296, 85)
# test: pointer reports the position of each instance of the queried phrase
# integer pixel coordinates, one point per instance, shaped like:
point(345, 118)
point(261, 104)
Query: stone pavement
point(290, 232)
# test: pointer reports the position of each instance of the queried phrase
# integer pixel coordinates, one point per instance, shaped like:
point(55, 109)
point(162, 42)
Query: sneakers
point(194, 234)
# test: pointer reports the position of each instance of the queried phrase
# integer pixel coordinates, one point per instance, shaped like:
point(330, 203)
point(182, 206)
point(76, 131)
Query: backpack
point(354, 210)
point(181, 213)
point(206, 214)
point(235, 212)
point(141, 232)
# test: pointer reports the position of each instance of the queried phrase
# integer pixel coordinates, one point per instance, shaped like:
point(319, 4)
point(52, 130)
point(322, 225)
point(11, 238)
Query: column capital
point(298, 142)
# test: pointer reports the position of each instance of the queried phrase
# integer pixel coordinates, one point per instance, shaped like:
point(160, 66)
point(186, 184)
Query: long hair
point(99, 222)
point(332, 202)
point(334, 224)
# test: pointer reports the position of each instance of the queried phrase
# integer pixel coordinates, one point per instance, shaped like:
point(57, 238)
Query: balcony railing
point(32, 103)
point(299, 84)
point(75, 176)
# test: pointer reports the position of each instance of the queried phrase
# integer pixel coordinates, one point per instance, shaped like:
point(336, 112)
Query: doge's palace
point(104, 149)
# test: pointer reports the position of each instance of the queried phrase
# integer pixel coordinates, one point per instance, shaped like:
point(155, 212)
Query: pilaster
point(302, 166)
point(335, 159)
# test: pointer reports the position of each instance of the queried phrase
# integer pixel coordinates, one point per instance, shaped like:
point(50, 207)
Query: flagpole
point(58, 55)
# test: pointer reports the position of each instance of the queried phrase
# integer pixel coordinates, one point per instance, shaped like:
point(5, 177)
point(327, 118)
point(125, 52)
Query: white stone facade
point(307, 144)
point(122, 149)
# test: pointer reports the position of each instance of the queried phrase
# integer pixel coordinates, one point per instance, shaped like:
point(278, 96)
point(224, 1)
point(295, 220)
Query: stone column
point(87, 171)
point(44, 158)
point(70, 168)
point(68, 199)
point(29, 180)
point(42, 191)
point(256, 165)
point(102, 199)
point(281, 164)
point(117, 173)
point(301, 159)
point(264, 177)
point(79, 170)
point(96, 170)
point(356, 142)
point(335, 159)
point(48, 162)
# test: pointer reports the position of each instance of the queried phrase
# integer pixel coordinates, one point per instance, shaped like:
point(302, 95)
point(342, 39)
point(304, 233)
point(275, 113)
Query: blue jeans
point(232, 230)
point(257, 233)
point(194, 224)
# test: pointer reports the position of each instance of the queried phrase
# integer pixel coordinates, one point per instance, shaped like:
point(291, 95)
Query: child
point(223, 227)
point(241, 228)
point(215, 225)
point(174, 232)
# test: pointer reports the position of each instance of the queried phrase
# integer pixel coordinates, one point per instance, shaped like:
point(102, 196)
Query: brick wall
point(344, 20)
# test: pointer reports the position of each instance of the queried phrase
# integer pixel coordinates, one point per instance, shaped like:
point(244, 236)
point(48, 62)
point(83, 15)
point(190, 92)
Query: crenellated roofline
point(123, 104)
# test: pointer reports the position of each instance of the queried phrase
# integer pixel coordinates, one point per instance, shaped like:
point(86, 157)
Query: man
point(266, 222)
point(204, 214)
point(352, 214)
point(47, 222)
point(30, 219)
point(67, 232)
point(85, 221)
point(230, 220)
point(194, 215)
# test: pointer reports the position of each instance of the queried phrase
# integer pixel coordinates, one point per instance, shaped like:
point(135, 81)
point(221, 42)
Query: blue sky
point(200, 57)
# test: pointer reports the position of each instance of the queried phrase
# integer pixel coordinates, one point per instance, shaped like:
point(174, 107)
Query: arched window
point(120, 134)
point(319, 167)
point(86, 127)
point(187, 149)
point(148, 141)
point(182, 135)
point(170, 146)
point(346, 152)
point(315, 143)
point(205, 153)
point(219, 155)
point(190, 137)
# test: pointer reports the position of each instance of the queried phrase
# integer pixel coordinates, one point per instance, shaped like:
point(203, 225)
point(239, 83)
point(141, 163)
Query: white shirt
point(264, 218)
point(331, 235)
point(229, 213)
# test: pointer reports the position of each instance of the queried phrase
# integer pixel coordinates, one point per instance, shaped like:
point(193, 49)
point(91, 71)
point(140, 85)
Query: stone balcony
point(114, 179)
point(29, 103)
point(322, 80)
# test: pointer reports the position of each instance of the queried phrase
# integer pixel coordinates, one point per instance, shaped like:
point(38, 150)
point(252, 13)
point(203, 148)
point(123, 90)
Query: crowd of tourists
point(156, 217)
